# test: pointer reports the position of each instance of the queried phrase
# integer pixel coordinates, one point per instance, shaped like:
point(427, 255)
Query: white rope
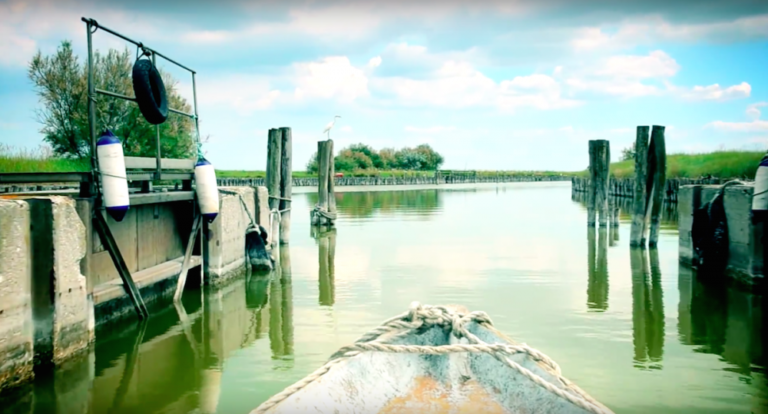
point(420, 316)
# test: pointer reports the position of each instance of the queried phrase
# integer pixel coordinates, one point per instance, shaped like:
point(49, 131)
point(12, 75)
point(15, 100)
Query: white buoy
point(760, 195)
point(207, 189)
point(114, 183)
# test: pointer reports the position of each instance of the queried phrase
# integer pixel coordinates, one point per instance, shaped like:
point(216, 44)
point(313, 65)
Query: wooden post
point(657, 176)
point(286, 184)
point(600, 179)
point(637, 233)
point(274, 143)
point(591, 186)
point(322, 182)
point(331, 179)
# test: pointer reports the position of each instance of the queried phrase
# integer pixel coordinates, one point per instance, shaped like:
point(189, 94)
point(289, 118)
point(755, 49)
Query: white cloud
point(430, 130)
point(755, 125)
point(244, 94)
point(623, 75)
point(654, 29)
point(346, 128)
point(656, 64)
point(330, 77)
point(753, 112)
point(714, 92)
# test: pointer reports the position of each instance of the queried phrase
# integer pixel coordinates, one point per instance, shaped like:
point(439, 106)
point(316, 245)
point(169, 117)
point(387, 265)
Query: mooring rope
point(245, 207)
point(420, 316)
point(317, 210)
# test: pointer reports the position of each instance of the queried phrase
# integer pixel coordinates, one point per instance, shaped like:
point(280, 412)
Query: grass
point(721, 164)
point(40, 160)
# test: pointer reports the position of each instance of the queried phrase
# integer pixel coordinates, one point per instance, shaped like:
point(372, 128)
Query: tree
point(363, 157)
point(628, 154)
point(410, 159)
point(61, 84)
point(433, 159)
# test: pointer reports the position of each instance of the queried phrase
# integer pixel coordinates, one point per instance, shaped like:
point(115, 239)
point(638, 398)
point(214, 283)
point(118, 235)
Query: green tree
point(387, 157)
point(628, 154)
point(61, 80)
point(410, 159)
point(433, 160)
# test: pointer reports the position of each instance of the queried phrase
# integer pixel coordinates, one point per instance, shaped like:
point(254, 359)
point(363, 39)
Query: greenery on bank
point(60, 81)
point(362, 157)
point(13, 160)
point(721, 164)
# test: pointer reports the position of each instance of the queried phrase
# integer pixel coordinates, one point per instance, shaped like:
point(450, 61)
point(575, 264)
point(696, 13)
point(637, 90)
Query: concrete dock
point(59, 285)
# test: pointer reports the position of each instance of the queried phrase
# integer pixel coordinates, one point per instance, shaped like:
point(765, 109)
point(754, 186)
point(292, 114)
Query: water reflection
point(326, 252)
point(647, 309)
point(366, 204)
point(174, 361)
point(597, 286)
point(624, 204)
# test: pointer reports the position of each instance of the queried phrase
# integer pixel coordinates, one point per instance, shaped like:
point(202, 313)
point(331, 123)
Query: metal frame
point(91, 27)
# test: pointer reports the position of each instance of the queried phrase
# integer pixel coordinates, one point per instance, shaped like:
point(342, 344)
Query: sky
point(490, 84)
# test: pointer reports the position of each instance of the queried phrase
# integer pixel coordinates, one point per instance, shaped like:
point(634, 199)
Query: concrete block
point(16, 323)
point(73, 323)
point(262, 208)
point(744, 263)
point(224, 245)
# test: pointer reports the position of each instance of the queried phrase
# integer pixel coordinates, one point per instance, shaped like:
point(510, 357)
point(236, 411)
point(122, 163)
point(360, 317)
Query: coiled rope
point(425, 316)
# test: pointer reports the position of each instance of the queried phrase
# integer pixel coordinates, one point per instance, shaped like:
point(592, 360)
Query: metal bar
point(194, 97)
point(45, 177)
point(102, 228)
point(115, 95)
point(146, 163)
point(91, 102)
point(133, 99)
point(159, 168)
point(176, 111)
point(182, 280)
point(129, 40)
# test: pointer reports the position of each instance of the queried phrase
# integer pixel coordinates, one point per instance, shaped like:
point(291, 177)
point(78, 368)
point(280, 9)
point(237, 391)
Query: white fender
point(114, 183)
point(207, 189)
point(760, 195)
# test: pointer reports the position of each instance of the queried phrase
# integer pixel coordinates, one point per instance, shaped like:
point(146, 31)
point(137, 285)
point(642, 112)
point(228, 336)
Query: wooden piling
point(286, 184)
point(322, 182)
point(591, 185)
point(600, 179)
point(274, 144)
point(637, 233)
point(331, 178)
point(657, 175)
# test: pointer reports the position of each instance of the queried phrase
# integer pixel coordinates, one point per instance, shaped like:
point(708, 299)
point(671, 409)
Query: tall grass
point(721, 164)
point(41, 159)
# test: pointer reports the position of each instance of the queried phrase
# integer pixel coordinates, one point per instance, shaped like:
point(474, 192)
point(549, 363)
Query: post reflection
point(647, 309)
point(597, 284)
point(326, 251)
point(281, 308)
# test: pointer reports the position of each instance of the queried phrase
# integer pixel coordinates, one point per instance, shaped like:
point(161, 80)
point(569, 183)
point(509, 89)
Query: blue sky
point(490, 84)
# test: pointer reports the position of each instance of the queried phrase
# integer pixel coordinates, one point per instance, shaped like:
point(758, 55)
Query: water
point(635, 331)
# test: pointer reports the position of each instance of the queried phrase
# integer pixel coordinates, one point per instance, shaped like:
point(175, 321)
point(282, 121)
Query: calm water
point(633, 329)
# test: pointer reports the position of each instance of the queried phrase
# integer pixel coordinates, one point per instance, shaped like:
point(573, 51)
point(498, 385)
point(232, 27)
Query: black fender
point(150, 92)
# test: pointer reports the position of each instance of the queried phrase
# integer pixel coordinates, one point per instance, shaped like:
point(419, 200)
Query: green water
point(633, 329)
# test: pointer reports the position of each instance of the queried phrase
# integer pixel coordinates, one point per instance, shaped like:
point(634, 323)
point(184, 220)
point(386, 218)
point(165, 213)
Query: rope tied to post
point(322, 212)
point(420, 316)
point(252, 224)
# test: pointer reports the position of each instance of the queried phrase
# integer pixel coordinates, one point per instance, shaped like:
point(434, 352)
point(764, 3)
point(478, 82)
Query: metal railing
point(92, 26)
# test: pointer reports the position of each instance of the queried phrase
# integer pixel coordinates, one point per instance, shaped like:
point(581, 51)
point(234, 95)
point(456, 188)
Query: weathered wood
point(274, 144)
point(637, 233)
point(657, 175)
point(182, 280)
point(322, 181)
point(286, 184)
point(600, 180)
point(591, 196)
point(331, 178)
point(106, 238)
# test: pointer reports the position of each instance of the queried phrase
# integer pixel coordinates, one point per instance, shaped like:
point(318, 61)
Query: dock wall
point(745, 245)
point(58, 284)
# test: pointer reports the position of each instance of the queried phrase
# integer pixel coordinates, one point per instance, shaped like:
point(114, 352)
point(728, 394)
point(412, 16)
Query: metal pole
point(157, 129)
point(194, 97)
point(91, 102)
